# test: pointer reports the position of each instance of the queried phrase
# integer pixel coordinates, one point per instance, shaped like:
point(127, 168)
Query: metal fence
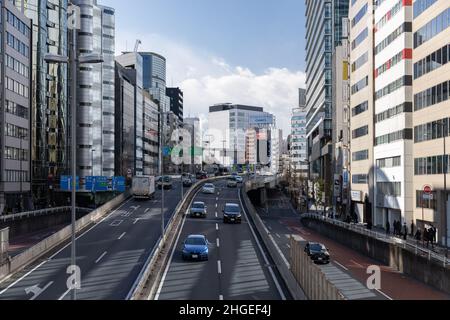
point(408, 244)
point(37, 213)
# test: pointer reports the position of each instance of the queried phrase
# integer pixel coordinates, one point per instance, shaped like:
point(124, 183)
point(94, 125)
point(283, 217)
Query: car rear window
point(316, 247)
point(209, 186)
point(232, 209)
point(198, 205)
point(195, 241)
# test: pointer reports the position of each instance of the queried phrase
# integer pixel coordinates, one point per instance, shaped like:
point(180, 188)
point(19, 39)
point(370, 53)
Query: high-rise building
point(133, 63)
point(15, 114)
point(176, 101)
point(298, 142)
point(323, 33)
point(229, 125)
point(96, 111)
point(431, 114)
point(362, 128)
point(193, 125)
point(49, 103)
point(151, 135)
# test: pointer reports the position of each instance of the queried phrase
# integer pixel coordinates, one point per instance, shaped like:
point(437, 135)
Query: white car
point(209, 188)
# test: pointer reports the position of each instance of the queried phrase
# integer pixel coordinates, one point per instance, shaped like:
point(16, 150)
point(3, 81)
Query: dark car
point(164, 182)
point(201, 175)
point(317, 252)
point(195, 247)
point(232, 213)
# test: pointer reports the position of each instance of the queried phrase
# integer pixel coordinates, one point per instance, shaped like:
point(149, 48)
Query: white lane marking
point(217, 215)
point(122, 235)
point(147, 210)
point(217, 199)
point(58, 252)
point(358, 264)
point(116, 223)
point(266, 261)
point(221, 297)
point(37, 291)
point(219, 267)
point(64, 294)
point(340, 265)
point(217, 205)
point(136, 220)
point(278, 235)
point(101, 257)
point(384, 294)
point(218, 242)
point(288, 246)
point(269, 227)
point(217, 227)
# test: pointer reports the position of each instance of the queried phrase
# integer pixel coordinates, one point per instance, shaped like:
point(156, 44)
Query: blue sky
point(241, 51)
point(253, 33)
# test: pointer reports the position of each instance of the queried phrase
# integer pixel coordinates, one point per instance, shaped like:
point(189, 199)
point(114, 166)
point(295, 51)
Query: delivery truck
point(143, 187)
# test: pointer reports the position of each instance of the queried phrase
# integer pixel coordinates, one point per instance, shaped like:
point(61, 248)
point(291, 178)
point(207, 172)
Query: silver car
point(199, 210)
point(209, 188)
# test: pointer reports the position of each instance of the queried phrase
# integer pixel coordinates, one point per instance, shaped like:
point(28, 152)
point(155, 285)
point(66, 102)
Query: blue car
point(195, 247)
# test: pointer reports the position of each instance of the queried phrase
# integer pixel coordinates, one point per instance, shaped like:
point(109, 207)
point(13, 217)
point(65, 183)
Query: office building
point(298, 142)
point(132, 63)
point(431, 113)
point(150, 136)
point(323, 34)
point(50, 151)
point(229, 125)
point(96, 110)
point(362, 128)
point(193, 125)
point(15, 113)
point(176, 101)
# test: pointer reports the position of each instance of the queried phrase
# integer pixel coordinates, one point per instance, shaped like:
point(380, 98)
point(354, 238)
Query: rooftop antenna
point(136, 47)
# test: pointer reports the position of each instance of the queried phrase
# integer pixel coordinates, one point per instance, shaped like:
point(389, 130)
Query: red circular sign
point(427, 189)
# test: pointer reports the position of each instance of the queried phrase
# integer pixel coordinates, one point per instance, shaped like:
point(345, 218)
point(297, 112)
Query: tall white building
point(228, 127)
point(96, 111)
point(193, 125)
point(299, 142)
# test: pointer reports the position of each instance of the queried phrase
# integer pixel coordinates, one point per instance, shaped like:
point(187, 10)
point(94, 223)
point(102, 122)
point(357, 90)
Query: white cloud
point(207, 80)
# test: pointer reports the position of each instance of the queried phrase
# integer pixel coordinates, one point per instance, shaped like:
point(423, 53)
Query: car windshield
point(198, 205)
point(209, 186)
point(232, 209)
point(317, 247)
point(196, 241)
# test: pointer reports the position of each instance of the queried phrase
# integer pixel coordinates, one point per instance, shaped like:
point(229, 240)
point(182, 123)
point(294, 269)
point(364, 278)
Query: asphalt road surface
point(110, 255)
point(348, 269)
point(237, 268)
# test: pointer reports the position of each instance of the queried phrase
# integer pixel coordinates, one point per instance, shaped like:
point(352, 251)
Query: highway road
point(237, 269)
point(111, 255)
point(348, 269)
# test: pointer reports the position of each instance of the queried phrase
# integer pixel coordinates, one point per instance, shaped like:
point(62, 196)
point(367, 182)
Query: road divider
point(30, 255)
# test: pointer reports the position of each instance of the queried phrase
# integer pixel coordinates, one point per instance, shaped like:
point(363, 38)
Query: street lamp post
point(73, 60)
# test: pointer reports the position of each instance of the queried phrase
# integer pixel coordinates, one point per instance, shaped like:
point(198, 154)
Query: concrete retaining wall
point(43, 247)
point(403, 260)
point(310, 277)
point(283, 266)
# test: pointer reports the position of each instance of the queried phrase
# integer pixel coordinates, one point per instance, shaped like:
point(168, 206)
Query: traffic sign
point(428, 196)
point(118, 184)
point(66, 183)
point(427, 189)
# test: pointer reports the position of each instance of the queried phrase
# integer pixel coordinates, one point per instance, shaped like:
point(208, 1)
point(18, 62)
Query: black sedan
point(317, 252)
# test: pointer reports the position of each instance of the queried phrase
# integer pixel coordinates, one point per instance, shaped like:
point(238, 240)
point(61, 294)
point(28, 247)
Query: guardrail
point(150, 264)
point(28, 256)
point(382, 236)
point(43, 212)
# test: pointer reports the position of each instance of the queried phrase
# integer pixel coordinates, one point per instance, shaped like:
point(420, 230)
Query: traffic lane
point(245, 275)
point(394, 285)
point(90, 247)
point(192, 280)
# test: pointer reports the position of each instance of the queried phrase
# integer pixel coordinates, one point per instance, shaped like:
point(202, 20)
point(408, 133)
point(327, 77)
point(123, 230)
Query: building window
point(395, 111)
point(389, 15)
point(390, 88)
point(404, 54)
point(432, 96)
point(432, 130)
point(360, 38)
point(389, 162)
point(405, 134)
point(361, 84)
point(361, 13)
point(360, 61)
point(360, 155)
point(391, 189)
point(405, 27)
point(431, 165)
point(360, 132)
point(421, 5)
point(432, 62)
point(360, 179)
point(432, 28)
point(360, 108)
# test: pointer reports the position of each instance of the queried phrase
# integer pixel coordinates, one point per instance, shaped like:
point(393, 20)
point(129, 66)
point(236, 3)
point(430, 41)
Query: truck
point(143, 187)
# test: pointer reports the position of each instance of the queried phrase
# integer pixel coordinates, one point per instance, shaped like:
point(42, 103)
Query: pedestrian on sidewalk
point(426, 236)
point(412, 228)
point(388, 227)
point(405, 231)
point(418, 236)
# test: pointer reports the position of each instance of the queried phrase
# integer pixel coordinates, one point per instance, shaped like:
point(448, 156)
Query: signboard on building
point(345, 179)
point(260, 120)
point(356, 196)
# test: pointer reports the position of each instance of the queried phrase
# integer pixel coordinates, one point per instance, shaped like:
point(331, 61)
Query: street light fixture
point(73, 60)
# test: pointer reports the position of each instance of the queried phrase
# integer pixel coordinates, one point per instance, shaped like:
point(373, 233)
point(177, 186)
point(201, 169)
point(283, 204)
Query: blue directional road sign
point(118, 184)
point(66, 183)
point(89, 183)
point(101, 183)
